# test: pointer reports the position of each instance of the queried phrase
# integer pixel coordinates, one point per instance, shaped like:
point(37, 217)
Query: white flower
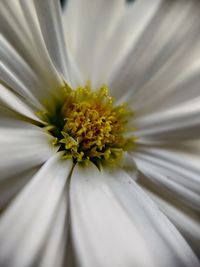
point(143, 212)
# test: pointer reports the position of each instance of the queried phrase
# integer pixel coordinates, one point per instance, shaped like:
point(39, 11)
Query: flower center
point(87, 126)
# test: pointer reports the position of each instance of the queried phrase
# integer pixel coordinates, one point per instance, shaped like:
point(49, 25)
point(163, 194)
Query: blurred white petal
point(174, 169)
point(11, 186)
point(87, 32)
point(102, 232)
point(45, 66)
point(49, 16)
point(188, 224)
point(32, 52)
point(56, 243)
point(48, 13)
point(163, 37)
point(22, 147)
point(17, 37)
point(142, 236)
point(18, 75)
point(177, 123)
point(36, 208)
point(13, 102)
point(176, 83)
point(129, 29)
point(14, 28)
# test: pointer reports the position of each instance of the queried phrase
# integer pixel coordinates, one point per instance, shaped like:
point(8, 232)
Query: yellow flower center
point(87, 126)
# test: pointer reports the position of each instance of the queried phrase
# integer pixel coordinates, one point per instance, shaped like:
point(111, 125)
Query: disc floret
point(90, 126)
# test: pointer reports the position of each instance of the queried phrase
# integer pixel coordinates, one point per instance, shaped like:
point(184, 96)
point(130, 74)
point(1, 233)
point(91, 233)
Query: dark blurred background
point(64, 1)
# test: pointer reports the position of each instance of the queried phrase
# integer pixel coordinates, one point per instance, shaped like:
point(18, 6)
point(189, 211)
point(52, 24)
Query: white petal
point(27, 43)
point(188, 225)
point(11, 186)
point(13, 102)
point(14, 34)
point(115, 224)
point(33, 213)
point(34, 82)
point(176, 170)
point(11, 119)
point(102, 232)
point(172, 30)
point(49, 16)
point(13, 25)
point(13, 82)
point(55, 247)
point(89, 25)
point(175, 83)
point(45, 65)
point(130, 28)
point(22, 148)
point(178, 123)
point(18, 75)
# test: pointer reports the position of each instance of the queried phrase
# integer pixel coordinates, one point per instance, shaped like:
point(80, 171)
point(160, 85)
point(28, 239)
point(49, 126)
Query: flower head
point(88, 127)
point(99, 133)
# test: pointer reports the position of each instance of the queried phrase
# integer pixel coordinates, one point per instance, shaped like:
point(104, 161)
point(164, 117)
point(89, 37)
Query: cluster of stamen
point(91, 127)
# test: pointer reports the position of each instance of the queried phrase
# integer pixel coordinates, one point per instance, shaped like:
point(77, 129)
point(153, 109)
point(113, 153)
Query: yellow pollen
point(90, 127)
